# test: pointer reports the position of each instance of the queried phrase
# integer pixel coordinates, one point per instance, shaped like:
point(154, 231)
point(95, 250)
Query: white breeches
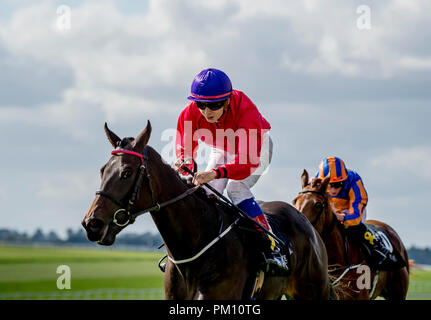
point(239, 190)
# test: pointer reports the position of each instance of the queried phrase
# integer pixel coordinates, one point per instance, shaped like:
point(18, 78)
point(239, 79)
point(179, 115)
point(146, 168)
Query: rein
point(157, 206)
point(209, 245)
point(348, 268)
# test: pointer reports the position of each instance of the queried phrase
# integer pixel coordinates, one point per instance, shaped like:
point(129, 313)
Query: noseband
point(136, 190)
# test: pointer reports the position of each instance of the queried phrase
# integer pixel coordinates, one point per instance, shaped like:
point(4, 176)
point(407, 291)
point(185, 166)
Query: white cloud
point(107, 48)
point(103, 46)
point(109, 55)
point(129, 67)
point(108, 51)
point(67, 185)
point(416, 63)
point(411, 160)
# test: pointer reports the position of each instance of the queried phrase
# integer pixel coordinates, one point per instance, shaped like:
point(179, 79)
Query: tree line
point(76, 237)
point(146, 240)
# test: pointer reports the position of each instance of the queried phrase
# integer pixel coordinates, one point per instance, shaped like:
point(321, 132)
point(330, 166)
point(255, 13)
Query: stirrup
point(161, 264)
point(379, 257)
point(276, 263)
point(383, 253)
point(390, 261)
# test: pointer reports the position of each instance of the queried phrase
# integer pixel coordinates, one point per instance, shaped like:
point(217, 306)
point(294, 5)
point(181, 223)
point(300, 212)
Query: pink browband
point(133, 153)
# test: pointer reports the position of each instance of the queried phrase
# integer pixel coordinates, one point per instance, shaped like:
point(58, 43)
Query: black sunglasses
point(213, 106)
point(336, 185)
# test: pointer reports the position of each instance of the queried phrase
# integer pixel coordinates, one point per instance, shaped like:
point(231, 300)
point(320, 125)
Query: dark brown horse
point(314, 202)
point(200, 266)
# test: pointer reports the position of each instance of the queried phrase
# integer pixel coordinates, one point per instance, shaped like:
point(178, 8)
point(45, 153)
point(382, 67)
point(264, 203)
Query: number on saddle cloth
point(394, 260)
point(377, 234)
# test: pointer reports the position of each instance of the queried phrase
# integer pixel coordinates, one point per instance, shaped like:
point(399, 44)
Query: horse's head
point(313, 201)
point(109, 212)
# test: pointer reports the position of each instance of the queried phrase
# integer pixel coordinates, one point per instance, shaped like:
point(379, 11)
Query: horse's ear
point(112, 137)
point(142, 139)
point(304, 179)
point(324, 184)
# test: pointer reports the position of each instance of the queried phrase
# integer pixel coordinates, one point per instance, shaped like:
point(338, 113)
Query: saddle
point(256, 243)
point(275, 262)
point(393, 257)
point(367, 245)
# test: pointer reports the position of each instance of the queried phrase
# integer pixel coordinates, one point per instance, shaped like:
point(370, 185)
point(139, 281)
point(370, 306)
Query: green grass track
point(103, 273)
point(31, 272)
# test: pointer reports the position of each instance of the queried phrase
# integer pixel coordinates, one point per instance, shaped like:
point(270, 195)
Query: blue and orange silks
point(352, 199)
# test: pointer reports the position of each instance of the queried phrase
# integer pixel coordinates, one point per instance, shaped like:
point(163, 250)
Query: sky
point(334, 78)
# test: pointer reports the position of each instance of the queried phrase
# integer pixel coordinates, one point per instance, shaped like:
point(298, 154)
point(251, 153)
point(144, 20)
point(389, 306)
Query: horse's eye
point(318, 206)
point(126, 174)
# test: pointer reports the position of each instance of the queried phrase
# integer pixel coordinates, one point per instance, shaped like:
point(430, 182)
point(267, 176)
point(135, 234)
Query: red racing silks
point(239, 131)
point(262, 221)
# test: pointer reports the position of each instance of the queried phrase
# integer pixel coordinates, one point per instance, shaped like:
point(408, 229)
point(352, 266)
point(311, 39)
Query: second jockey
point(350, 199)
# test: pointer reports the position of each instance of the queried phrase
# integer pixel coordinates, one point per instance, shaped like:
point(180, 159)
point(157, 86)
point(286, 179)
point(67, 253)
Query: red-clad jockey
point(230, 123)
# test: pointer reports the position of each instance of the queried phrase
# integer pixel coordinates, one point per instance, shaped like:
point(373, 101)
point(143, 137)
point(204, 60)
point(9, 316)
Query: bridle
point(328, 230)
point(156, 207)
point(324, 210)
point(324, 206)
point(125, 207)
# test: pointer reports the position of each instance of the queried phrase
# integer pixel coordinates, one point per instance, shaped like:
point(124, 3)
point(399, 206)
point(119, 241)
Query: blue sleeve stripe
point(338, 167)
point(355, 204)
point(325, 168)
point(352, 216)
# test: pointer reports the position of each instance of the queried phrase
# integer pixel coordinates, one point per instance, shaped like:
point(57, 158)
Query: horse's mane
point(186, 181)
point(126, 143)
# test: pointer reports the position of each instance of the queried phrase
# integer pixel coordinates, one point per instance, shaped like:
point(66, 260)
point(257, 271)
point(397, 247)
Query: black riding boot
point(376, 251)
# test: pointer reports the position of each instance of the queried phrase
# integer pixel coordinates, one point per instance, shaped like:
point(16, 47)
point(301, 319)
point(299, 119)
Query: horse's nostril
point(95, 224)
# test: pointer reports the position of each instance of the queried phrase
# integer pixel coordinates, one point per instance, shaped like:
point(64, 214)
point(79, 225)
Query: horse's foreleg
point(175, 287)
point(312, 280)
point(225, 288)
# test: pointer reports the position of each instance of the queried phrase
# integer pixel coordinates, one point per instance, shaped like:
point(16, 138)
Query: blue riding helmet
point(210, 85)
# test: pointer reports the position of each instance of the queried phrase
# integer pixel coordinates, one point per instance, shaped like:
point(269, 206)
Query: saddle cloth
point(381, 236)
point(393, 260)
